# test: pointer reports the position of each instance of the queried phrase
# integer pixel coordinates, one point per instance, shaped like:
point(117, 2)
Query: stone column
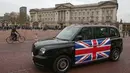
point(56, 16)
point(64, 16)
point(114, 15)
point(60, 15)
point(36, 17)
point(100, 15)
point(68, 16)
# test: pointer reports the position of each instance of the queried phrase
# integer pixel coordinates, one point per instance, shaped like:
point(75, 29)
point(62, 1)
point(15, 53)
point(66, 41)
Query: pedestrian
point(36, 37)
point(123, 33)
point(129, 32)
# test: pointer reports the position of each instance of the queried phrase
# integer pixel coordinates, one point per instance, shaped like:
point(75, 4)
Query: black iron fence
point(31, 28)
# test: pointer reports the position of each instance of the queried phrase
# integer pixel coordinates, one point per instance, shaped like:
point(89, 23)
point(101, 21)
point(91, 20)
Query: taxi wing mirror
point(79, 37)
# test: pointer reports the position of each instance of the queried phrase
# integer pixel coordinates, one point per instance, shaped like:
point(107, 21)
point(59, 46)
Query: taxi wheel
point(61, 64)
point(115, 55)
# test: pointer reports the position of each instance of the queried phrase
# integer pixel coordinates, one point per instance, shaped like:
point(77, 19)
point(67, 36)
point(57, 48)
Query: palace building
point(67, 13)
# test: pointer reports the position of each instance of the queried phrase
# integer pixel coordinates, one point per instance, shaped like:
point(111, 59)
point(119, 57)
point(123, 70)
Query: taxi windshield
point(67, 33)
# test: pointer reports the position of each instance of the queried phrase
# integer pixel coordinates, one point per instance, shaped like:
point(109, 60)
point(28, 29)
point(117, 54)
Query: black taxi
point(78, 44)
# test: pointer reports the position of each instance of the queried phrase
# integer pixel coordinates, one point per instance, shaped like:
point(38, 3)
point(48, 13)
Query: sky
point(14, 5)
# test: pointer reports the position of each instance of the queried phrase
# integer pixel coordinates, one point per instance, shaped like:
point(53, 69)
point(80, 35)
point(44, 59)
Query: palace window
point(75, 18)
point(92, 13)
point(83, 13)
point(88, 13)
point(103, 11)
point(83, 18)
point(103, 19)
point(79, 18)
point(79, 13)
point(97, 12)
point(75, 13)
point(87, 18)
point(96, 18)
point(111, 11)
point(107, 11)
point(107, 17)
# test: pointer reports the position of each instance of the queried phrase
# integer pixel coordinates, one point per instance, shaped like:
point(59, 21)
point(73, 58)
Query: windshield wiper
point(62, 39)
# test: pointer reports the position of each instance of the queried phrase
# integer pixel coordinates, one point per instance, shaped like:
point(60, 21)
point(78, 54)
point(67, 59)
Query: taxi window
point(114, 32)
point(101, 32)
point(87, 33)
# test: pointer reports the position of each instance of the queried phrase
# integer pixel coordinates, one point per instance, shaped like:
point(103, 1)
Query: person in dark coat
point(14, 33)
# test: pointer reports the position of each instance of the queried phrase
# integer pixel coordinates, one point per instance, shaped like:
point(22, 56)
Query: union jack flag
point(90, 50)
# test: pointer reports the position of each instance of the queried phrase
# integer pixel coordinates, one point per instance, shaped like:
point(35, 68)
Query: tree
point(13, 17)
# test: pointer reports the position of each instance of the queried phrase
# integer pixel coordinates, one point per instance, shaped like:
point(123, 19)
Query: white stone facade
point(66, 14)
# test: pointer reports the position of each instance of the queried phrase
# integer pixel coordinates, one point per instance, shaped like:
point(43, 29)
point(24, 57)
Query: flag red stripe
point(93, 50)
point(94, 47)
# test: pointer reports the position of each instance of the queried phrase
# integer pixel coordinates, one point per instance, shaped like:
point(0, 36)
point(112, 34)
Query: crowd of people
point(30, 28)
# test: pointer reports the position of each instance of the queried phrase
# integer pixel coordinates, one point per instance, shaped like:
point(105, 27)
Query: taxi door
point(93, 45)
point(83, 45)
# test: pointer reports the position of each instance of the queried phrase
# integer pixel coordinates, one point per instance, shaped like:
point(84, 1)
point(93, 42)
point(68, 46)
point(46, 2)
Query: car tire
point(61, 64)
point(37, 66)
point(115, 54)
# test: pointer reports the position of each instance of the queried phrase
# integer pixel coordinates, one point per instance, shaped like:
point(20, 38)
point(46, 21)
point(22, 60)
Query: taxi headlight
point(42, 51)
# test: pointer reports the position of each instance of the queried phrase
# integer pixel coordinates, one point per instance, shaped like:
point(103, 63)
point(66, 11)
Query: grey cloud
point(123, 10)
point(7, 7)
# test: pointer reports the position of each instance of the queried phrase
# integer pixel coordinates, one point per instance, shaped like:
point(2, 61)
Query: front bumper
point(42, 61)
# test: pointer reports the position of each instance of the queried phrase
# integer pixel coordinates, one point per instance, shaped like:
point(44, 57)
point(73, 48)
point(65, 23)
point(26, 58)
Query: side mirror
point(79, 37)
